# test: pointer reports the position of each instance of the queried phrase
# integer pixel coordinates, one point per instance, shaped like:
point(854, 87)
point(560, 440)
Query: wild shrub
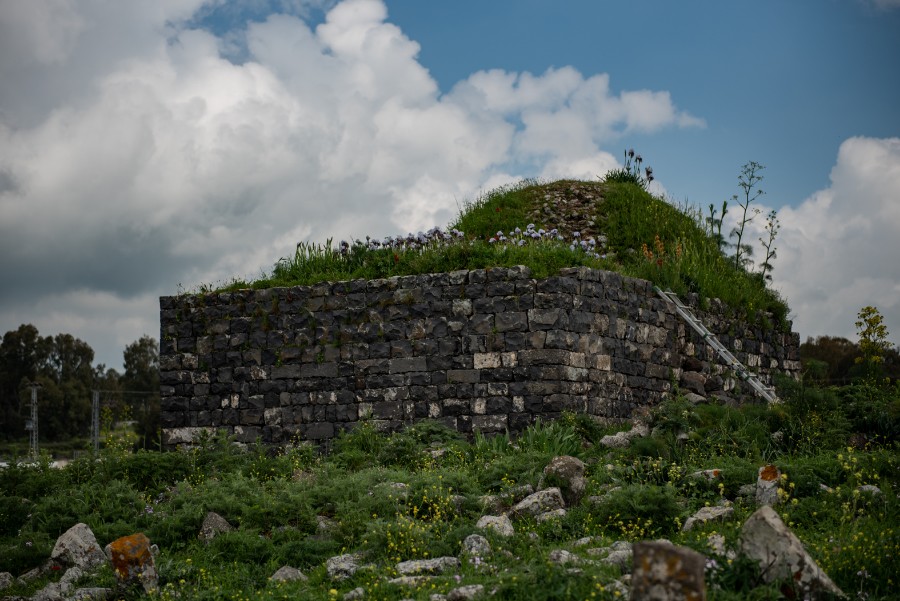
point(639, 511)
point(553, 438)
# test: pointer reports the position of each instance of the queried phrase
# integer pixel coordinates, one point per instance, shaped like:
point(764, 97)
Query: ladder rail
point(743, 373)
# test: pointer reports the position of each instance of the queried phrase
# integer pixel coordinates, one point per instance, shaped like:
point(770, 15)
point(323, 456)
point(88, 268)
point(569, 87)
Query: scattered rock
point(708, 514)
point(418, 567)
point(325, 525)
point(550, 515)
point(6, 580)
point(561, 557)
point(342, 567)
point(767, 485)
point(78, 547)
point(568, 473)
point(765, 539)
point(498, 523)
point(68, 580)
point(91, 594)
point(357, 593)
point(288, 574)
point(411, 581)
point(708, 475)
point(869, 488)
point(667, 572)
point(475, 544)
point(618, 554)
point(213, 525)
point(464, 593)
point(491, 503)
point(540, 502)
point(623, 439)
point(51, 592)
point(583, 542)
point(31, 574)
point(747, 490)
point(133, 562)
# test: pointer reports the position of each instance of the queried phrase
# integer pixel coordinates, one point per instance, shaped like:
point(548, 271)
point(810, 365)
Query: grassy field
point(418, 493)
point(611, 225)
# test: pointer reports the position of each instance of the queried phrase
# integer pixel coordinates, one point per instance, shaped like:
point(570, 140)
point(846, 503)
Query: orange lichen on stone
point(132, 559)
point(768, 473)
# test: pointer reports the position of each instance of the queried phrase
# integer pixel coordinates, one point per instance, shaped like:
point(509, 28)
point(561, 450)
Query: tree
point(142, 377)
point(838, 354)
point(22, 353)
point(873, 342)
point(68, 377)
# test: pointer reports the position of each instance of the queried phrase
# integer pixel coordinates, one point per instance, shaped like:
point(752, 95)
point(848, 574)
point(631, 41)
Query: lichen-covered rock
point(561, 557)
point(475, 544)
point(91, 594)
point(766, 539)
point(133, 562)
point(68, 580)
point(497, 523)
point(419, 567)
point(567, 473)
point(708, 475)
point(767, 485)
point(466, 593)
point(621, 440)
point(287, 574)
point(410, 581)
point(6, 580)
point(666, 572)
point(342, 567)
point(78, 547)
point(213, 525)
point(540, 502)
point(356, 594)
point(708, 514)
point(619, 554)
point(554, 514)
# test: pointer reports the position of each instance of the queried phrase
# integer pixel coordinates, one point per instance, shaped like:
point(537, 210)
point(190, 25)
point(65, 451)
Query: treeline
point(63, 367)
point(836, 361)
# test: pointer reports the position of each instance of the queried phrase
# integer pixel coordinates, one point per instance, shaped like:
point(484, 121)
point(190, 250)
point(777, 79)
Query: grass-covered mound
point(418, 494)
point(610, 225)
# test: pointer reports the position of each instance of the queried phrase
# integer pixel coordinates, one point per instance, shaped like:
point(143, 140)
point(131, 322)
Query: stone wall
point(488, 350)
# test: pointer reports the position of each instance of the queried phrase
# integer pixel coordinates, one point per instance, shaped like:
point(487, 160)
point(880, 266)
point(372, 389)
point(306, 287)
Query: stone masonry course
point(489, 350)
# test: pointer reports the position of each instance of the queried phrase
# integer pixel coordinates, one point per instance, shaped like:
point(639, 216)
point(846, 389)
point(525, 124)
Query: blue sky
point(151, 146)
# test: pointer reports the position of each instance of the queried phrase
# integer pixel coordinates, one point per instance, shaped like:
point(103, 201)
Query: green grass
point(275, 500)
point(648, 238)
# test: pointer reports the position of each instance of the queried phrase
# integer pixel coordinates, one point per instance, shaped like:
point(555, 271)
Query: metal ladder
point(731, 361)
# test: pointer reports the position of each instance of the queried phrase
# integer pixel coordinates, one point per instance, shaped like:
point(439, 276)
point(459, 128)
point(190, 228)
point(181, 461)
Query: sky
point(153, 146)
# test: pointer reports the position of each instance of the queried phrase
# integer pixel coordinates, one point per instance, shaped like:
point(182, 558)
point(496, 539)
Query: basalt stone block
point(666, 572)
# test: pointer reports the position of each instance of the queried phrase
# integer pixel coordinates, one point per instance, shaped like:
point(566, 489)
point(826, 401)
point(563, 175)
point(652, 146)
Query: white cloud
point(134, 155)
point(886, 4)
point(837, 251)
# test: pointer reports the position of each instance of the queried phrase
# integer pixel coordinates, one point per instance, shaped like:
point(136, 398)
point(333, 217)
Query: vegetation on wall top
point(613, 224)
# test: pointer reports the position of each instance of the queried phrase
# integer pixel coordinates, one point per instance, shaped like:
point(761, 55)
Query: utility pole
point(33, 440)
